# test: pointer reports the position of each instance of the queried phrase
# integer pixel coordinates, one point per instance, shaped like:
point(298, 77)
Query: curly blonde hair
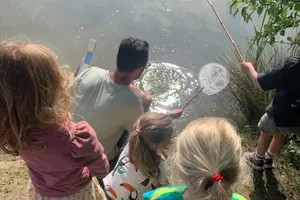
point(33, 94)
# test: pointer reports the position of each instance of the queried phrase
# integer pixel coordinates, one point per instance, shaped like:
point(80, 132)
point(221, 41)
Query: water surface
point(185, 33)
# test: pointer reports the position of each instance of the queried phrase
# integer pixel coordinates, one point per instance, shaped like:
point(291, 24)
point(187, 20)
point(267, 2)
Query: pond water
point(185, 33)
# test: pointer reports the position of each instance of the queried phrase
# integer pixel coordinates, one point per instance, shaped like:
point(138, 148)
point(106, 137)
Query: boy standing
point(282, 116)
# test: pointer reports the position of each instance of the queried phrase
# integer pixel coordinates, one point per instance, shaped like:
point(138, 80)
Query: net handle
point(193, 97)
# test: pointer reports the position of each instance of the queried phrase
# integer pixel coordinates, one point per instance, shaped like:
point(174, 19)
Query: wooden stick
point(227, 32)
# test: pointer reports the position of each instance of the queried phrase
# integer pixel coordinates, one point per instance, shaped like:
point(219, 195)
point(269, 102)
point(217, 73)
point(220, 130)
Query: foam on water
point(170, 85)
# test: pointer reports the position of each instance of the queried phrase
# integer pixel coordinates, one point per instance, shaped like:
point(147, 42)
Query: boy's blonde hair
point(206, 147)
point(33, 94)
point(152, 136)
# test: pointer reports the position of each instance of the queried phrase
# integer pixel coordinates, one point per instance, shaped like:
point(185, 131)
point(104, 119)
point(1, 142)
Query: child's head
point(152, 136)
point(207, 148)
point(33, 93)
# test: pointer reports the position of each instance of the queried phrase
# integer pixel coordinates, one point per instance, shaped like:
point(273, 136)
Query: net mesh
point(213, 77)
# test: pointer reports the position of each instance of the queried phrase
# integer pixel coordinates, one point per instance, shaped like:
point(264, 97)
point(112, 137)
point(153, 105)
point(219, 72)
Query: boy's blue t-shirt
point(175, 193)
point(285, 78)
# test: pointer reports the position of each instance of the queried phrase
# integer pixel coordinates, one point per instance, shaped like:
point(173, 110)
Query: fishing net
point(213, 77)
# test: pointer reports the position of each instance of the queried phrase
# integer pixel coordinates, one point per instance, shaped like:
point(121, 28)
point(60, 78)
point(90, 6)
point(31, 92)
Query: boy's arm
point(273, 78)
point(248, 68)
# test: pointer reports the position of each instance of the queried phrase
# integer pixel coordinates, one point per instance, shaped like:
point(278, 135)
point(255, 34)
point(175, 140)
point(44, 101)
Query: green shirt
point(175, 193)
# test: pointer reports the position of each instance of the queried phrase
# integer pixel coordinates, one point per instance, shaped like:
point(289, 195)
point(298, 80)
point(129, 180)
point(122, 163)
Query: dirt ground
point(14, 178)
point(279, 184)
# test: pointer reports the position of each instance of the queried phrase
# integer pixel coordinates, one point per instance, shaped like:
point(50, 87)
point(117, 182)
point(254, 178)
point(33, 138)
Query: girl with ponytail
point(140, 167)
point(206, 159)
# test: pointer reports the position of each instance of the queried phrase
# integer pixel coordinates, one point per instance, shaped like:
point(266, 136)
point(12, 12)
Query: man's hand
point(136, 90)
point(175, 114)
point(247, 67)
point(146, 99)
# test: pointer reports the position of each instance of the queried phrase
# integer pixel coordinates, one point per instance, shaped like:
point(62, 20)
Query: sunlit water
point(170, 85)
point(185, 33)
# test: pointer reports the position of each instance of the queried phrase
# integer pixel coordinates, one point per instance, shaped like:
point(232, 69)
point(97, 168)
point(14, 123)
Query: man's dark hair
point(132, 54)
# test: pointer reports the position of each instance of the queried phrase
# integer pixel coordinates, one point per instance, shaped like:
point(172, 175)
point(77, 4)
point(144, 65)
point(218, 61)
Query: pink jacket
point(72, 156)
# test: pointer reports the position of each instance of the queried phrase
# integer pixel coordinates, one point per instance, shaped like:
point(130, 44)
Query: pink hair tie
point(216, 178)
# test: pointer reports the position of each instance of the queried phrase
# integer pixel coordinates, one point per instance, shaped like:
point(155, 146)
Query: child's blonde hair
point(152, 136)
point(207, 147)
point(33, 94)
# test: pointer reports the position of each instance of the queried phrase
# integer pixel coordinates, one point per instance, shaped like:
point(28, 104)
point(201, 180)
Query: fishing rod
point(227, 32)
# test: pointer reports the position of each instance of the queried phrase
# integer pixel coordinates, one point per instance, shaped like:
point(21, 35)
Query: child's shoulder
point(80, 129)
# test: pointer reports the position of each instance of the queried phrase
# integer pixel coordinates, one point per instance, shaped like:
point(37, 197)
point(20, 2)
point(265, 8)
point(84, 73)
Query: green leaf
point(255, 30)
point(295, 14)
point(248, 18)
point(297, 7)
point(233, 6)
point(236, 12)
point(260, 9)
point(244, 13)
point(272, 40)
point(282, 32)
point(290, 39)
point(284, 12)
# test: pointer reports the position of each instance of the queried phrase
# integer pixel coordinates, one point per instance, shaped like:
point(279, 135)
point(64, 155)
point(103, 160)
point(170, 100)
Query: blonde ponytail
point(152, 135)
point(207, 148)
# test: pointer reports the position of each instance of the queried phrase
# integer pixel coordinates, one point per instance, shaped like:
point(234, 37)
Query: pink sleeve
point(87, 151)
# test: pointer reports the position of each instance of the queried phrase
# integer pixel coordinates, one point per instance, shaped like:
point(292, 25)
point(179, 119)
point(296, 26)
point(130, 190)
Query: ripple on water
point(170, 85)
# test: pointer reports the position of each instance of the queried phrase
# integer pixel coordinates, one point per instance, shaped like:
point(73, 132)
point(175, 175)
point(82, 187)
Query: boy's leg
point(276, 144)
point(263, 143)
point(268, 127)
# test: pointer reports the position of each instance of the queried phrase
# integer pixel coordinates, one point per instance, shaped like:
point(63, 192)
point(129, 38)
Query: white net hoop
point(213, 77)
